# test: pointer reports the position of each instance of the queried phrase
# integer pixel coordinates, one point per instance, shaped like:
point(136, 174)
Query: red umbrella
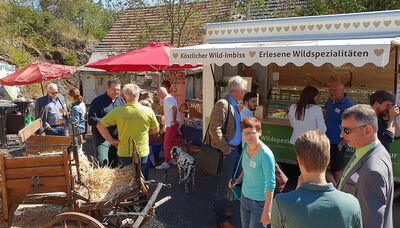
point(37, 72)
point(153, 57)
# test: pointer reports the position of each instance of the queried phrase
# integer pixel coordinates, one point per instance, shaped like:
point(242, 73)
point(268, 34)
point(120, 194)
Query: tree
point(177, 14)
point(90, 18)
point(179, 20)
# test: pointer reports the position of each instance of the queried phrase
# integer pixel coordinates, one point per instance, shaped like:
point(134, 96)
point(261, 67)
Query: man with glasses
point(315, 203)
point(101, 105)
point(50, 109)
point(383, 104)
point(368, 175)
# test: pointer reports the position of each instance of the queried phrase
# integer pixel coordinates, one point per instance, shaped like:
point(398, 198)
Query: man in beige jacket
point(226, 136)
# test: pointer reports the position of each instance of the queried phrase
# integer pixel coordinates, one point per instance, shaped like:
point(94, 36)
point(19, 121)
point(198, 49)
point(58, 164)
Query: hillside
point(50, 33)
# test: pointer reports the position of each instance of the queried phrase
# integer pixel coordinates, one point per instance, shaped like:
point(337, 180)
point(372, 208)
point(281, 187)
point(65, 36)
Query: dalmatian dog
point(186, 166)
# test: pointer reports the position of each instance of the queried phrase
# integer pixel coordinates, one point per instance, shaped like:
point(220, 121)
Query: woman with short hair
point(257, 177)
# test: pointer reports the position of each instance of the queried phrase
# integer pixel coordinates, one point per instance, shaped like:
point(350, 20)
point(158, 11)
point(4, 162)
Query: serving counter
point(276, 133)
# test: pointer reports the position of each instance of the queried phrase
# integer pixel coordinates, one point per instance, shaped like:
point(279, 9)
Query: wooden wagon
point(52, 178)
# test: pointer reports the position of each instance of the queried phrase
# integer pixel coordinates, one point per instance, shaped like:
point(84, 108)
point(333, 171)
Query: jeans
point(170, 140)
point(250, 212)
point(228, 163)
point(145, 166)
point(60, 130)
point(105, 152)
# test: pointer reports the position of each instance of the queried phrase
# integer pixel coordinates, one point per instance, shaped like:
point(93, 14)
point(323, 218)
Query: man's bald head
point(52, 90)
point(336, 84)
point(336, 91)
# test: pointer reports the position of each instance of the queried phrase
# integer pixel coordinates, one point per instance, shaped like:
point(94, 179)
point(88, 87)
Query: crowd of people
point(121, 124)
point(329, 193)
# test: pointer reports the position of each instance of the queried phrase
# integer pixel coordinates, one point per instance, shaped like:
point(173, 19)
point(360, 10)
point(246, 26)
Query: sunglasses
point(349, 130)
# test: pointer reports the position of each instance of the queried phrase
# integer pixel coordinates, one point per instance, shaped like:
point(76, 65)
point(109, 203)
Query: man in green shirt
point(134, 123)
point(315, 203)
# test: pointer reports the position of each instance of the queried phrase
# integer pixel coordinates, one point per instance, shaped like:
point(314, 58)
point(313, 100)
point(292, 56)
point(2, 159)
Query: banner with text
point(376, 51)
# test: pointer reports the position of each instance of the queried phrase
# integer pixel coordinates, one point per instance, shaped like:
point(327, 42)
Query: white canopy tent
point(345, 40)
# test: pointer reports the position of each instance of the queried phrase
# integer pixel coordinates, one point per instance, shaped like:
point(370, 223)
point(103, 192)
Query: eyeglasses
point(348, 130)
point(250, 133)
point(53, 93)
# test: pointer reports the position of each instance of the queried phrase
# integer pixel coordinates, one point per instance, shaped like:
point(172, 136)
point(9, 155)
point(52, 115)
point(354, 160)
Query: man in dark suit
point(50, 109)
point(368, 175)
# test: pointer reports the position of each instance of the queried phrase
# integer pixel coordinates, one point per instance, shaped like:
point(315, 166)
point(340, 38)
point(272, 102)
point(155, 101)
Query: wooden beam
point(68, 175)
point(46, 144)
point(4, 192)
point(46, 184)
point(46, 171)
point(29, 130)
point(29, 162)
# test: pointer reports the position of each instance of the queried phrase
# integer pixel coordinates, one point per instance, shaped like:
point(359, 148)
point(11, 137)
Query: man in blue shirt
point(106, 153)
point(335, 106)
point(226, 138)
point(315, 203)
point(50, 109)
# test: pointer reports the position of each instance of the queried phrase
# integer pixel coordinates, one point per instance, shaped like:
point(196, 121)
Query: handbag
point(235, 192)
point(209, 158)
point(280, 179)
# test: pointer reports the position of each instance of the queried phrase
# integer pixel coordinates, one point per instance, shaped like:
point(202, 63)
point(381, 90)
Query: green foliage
point(18, 57)
point(40, 27)
point(91, 19)
point(4, 13)
point(95, 21)
point(71, 59)
point(27, 23)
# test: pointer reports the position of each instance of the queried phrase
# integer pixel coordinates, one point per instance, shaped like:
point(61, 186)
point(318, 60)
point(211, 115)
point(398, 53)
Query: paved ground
point(192, 210)
point(183, 210)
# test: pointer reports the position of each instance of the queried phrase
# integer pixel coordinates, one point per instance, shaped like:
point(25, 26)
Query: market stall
point(285, 55)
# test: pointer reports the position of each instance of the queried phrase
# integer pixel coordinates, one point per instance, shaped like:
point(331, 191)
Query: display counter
point(277, 121)
point(276, 135)
point(192, 134)
point(277, 131)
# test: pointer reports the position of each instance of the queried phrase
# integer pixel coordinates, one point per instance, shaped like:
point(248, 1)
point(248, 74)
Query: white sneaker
point(164, 165)
point(172, 162)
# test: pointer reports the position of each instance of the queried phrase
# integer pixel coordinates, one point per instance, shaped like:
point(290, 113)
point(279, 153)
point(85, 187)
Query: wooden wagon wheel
point(74, 219)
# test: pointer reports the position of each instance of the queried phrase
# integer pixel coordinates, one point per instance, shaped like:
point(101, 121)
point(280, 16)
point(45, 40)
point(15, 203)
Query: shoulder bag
point(235, 192)
point(209, 158)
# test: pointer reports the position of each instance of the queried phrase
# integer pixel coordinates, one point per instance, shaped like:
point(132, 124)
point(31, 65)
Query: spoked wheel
point(74, 219)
